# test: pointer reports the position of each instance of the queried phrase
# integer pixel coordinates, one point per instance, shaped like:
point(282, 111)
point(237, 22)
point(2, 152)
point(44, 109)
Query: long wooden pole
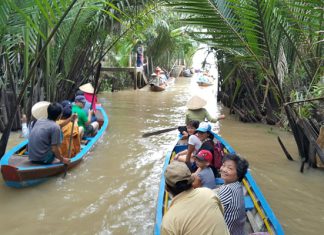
point(97, 75)
point(159, 132)
point(70, 148)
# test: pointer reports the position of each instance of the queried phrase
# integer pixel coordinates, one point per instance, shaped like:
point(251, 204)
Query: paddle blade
point(158, 132)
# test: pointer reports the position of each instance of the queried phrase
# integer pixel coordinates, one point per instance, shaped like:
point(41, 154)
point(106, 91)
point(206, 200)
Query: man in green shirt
point(86, 127)
point(198, 113)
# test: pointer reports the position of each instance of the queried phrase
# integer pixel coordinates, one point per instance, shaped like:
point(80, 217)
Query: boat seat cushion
point(248, 203)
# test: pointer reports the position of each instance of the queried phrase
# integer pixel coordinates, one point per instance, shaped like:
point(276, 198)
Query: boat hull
point(156, 88)
point(17, 171)
point(260, 218)
point(204, 84)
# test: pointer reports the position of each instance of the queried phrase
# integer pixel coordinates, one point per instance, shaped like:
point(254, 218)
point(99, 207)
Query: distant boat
point(259, 217)
point(162, 87)
point(204, 83)
point(154, 87)
point(18, 172)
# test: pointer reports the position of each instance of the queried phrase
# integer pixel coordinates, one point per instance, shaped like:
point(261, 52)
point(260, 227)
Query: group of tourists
point(198, 206)
point(159, 77)
point(205, 77)
point(58, 129)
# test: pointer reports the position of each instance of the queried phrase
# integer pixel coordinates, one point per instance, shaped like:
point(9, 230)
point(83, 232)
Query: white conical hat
point(39, 110)
point(88, 88)
point(196, 102)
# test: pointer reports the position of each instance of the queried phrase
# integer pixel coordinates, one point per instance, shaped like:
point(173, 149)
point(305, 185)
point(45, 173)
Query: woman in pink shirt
point(88, 91)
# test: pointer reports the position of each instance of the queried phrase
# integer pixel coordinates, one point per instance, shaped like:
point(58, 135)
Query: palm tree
point(268, 49)
point(49, 47)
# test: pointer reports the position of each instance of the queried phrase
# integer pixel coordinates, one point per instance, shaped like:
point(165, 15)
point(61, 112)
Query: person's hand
point(74, 117)
point(176, 157)
point(66, 161)
point(91, 111)
point(221, 117)
point(185, 134)
point(23, 118)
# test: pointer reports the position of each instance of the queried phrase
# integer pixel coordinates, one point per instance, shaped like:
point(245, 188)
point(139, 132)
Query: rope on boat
point(259, 210)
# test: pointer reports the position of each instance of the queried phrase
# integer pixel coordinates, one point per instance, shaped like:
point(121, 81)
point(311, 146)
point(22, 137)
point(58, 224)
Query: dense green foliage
point(47, 49)
point(276, 44)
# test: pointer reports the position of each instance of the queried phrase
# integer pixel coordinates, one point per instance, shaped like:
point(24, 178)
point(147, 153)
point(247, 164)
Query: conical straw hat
point(88, 88)
point(39, 110)
point(196, 102)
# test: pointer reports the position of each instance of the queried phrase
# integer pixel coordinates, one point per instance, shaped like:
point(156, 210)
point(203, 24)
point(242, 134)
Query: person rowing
point(197, 112)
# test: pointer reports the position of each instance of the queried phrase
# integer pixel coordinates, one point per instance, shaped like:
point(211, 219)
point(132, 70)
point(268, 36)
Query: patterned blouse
point(231, 196)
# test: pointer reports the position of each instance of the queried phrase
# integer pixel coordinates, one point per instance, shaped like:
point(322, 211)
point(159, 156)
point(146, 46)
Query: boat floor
point(23, 161)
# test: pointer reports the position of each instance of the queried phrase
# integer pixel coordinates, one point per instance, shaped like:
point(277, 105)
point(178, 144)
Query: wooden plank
point(116, 69)
point(252, 221)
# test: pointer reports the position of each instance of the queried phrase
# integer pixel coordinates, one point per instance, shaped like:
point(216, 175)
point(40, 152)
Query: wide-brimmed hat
point(39, 110)
point(176, 172)
point(88, 88)
point(196, 102)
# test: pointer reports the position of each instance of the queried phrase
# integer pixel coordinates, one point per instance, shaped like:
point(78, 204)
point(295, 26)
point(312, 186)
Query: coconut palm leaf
point(253, 27)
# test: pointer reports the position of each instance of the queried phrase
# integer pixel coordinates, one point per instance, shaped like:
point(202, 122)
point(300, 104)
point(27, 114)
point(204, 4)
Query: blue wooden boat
point(19, 172)
point(200, 83)
point(260, 218)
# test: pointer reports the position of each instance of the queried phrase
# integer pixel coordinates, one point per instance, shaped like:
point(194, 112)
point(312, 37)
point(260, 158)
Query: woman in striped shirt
point(231, 195)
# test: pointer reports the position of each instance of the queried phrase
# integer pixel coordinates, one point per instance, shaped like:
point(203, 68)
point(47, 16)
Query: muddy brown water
point(114, 190)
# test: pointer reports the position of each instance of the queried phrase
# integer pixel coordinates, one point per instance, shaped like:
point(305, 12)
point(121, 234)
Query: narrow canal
point(114, 190)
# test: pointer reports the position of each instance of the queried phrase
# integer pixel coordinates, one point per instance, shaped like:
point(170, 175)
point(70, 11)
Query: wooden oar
point(70, 147)
point(159, 131)
point(285, 150)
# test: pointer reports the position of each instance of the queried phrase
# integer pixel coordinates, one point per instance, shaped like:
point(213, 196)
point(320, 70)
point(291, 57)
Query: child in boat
point(193, 143)
point(67, 131)
point(204, 176)
point(196, 111)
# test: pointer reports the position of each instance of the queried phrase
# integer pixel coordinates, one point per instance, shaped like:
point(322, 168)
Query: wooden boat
point(260, 218)
point(204, 83)
point(154, 87)
point(17, 171)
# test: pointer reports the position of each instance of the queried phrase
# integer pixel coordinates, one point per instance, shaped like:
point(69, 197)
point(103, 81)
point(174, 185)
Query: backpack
point(218, 155)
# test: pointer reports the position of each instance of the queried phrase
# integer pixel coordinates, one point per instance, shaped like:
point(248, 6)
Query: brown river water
point(114, 190)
